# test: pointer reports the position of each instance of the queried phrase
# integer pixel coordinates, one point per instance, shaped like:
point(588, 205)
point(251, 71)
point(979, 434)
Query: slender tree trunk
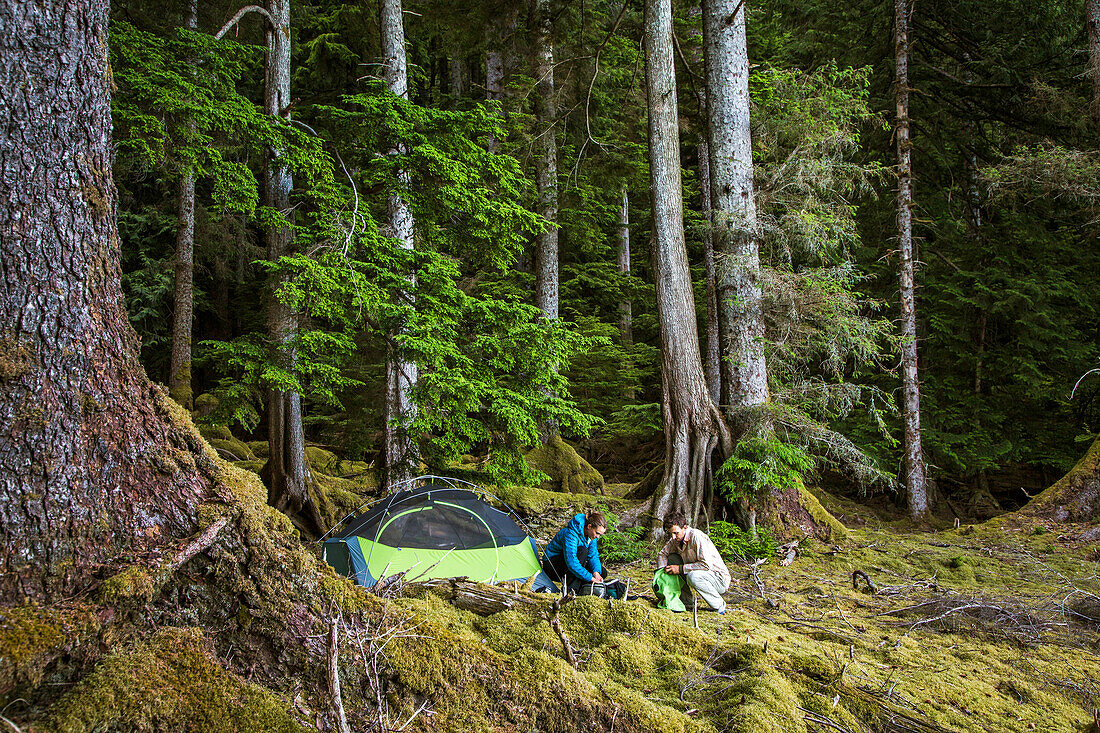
point(626, 327)
point(90, 464)
point(626, 318)
point(179, 368)
point(287, 470)
point(1092, 21)
point(711, 357)
point(910, 404)
point(693, 425)
point(456, 75)
point(737, 269)
point(401, 457)
point(546, 158)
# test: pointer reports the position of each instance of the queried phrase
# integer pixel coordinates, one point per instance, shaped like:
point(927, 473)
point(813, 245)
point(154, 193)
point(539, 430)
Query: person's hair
point(675, 518)
point(595, 520)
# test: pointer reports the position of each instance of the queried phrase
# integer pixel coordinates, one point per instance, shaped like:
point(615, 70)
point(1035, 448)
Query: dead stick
point(856, 574)
point(200, 543)
point(555, 624)
point(334, 676)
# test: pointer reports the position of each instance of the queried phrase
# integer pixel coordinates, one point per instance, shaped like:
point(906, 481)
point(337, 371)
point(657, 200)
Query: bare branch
point(240, 14)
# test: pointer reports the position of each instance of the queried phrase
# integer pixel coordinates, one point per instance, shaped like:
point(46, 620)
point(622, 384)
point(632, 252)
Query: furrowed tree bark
point(733, 216)
point(540, 24)
point(910, 404)
point(90, 466)
point(711, 357)
point(287, 471)
point(626, 321)
point(694, 427)
point(400, 454)
point(546, 158)
point(179, 368)
point(1092, 21)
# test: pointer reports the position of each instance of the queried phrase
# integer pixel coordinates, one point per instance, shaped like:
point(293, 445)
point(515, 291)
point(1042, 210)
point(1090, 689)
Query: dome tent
point(434, 530)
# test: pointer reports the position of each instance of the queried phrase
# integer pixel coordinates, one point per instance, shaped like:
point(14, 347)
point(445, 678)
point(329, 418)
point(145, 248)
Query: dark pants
point(558, 571)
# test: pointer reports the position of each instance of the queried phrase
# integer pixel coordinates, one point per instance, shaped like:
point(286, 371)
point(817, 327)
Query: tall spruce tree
point(915, 485)
point(694, 427)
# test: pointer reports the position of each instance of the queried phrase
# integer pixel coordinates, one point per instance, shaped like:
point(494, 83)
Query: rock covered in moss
point(568, 472)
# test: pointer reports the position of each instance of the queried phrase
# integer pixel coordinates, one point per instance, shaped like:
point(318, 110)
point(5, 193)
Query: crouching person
point(572, 557)
point(690, 553)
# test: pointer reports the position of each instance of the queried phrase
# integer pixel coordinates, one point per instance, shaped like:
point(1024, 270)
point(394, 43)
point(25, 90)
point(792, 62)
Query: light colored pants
point(708, 584)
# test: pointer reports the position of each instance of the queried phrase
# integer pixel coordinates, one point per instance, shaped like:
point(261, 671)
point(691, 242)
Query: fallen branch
point(484, 600)
point(555, 624)
point(334, 676)
point(856, 575)
point(200, 543)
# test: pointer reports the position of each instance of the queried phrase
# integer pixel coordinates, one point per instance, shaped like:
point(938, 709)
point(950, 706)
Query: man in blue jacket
point(571, 557)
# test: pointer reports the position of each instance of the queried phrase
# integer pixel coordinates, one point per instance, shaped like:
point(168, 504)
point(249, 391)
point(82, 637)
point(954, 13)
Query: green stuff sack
point(667, 588)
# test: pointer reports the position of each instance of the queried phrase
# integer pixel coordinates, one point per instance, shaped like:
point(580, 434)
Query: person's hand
point(673, 569)
point(597, 578)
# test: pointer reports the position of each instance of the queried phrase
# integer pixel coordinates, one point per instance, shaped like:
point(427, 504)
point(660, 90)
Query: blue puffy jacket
point(567, 542)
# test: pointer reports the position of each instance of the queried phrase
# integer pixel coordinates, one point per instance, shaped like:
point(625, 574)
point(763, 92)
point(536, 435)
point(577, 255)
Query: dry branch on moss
point(484, 600)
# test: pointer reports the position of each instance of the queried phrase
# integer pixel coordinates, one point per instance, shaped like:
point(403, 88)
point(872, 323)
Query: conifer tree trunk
point(1092, 21)
point(910, 404)
point(287, 470)
point(179, 367)
point(737, 270)
point(456, 75)
point(90, 465)
point(546, 158)
point(400, 454)
point(626, 318)
point(694, 428)
point(711, 357)
point(626, 327)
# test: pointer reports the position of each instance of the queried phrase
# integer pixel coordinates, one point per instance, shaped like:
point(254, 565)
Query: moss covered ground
point(967, 630)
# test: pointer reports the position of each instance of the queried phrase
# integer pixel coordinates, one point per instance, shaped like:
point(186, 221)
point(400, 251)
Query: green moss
point(232, 449)
point(259, 448)
point(322, 461)
point(568, 472)
point(530, 501)
point(171, 682)
point(205, 404)
point(215, 432)
point(31, 637)
point(16, 359)
point(133, 585)
point(821, 517)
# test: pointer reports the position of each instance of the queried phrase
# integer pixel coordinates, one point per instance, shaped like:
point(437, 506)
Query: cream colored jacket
point(699, 553)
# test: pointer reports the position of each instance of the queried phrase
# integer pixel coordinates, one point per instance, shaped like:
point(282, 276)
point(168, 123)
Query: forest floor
point(887, 629)
point(990, 627)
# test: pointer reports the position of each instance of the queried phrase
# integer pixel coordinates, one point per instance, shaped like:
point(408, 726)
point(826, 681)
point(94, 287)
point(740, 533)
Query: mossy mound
point(1073, 498)
point(568, 472)
point(322, 461)
point(531, 501)
point(232, 449)
point(32, 639)
point(170, 682)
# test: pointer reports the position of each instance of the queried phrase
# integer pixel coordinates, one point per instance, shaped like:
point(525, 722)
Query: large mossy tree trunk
point(694, 428)
point(1073, 498)
point(89, 467)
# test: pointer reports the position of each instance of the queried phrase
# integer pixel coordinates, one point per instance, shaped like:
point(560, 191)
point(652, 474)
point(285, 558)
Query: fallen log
point(482, 599)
